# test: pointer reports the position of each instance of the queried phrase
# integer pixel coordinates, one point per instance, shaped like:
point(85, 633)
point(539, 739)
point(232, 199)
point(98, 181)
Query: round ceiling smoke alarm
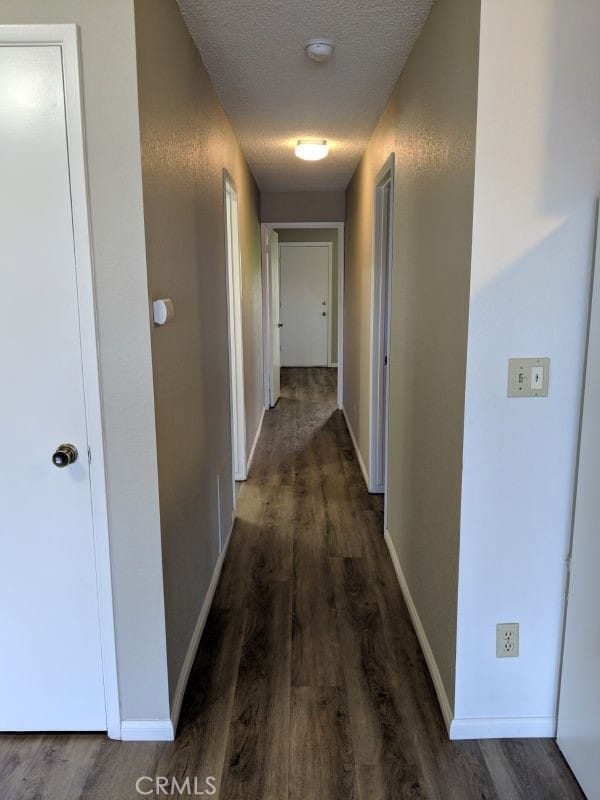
point(319, 50)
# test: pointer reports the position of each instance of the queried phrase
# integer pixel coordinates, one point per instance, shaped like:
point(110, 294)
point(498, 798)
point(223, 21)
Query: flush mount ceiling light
point(311, 149)
point(319, 50)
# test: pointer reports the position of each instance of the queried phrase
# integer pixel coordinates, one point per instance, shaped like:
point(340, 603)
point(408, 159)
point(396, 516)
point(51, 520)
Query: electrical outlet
point(507, 640)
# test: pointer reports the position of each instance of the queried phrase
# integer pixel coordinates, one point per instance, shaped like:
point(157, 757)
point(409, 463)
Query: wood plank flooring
point(309, 683)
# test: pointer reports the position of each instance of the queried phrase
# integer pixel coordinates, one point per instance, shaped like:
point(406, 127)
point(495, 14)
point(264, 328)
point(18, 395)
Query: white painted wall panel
point(536, 179)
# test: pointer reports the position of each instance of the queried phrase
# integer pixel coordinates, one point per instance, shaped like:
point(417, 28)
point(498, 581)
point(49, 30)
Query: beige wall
point(321, 235)
point(430, 126)
point(187, 141)
point(115, 193)
point(302, 206)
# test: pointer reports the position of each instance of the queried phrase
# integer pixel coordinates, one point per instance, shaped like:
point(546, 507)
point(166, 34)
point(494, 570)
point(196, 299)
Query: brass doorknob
point(64, 455)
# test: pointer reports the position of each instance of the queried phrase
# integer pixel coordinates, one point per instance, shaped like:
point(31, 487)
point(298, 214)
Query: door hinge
point(89, 455)
point(568, 577)
point(385, 361)
point(568, 563)
point(268, 249)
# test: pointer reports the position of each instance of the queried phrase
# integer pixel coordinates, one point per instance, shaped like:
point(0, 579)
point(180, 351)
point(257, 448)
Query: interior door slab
point(304, 304)
point(50, 655)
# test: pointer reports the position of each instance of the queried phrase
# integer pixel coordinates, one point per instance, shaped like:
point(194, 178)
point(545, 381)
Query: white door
point(276, 324)
point(579, 707)
point(386, 270)
point(305, 271)
point(50, 659)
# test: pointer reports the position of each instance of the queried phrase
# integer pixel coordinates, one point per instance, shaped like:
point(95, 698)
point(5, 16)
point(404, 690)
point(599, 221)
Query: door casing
point(381, 303)
point(578, 728)
point(236, 344)
point(266, 227)
point(274, 367)
point(67, 38)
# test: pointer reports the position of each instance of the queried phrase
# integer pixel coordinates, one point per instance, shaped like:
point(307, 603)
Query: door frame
point(266, 227)
point(329, 246)
point(582, 514)
point(67, 38)
point(268, 363)
point(381, 295)
point(235, 340)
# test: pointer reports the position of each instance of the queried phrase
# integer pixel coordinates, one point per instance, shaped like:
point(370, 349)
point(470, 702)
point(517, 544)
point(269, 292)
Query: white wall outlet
point(528, 377)
point(507, 640)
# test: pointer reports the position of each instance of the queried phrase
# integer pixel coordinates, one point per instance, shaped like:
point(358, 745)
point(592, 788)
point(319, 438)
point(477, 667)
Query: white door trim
point(380, 294)
point(268, 353)
point(236, 343)
point(329, 246)
point(67, 38)
point(266, 227)
point(577, 729)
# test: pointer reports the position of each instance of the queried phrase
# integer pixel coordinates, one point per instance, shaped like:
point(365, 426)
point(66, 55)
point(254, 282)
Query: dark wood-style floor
point(309, 683)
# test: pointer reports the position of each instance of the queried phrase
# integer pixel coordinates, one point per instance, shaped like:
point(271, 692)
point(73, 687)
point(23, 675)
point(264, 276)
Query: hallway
point(309, 682)
point(397, 197)
point(312, 653)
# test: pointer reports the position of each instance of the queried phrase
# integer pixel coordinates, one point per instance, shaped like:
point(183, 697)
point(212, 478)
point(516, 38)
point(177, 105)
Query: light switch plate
point(528, 377)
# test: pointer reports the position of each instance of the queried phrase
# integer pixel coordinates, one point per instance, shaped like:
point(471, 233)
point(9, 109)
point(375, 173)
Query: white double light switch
point(528, 377)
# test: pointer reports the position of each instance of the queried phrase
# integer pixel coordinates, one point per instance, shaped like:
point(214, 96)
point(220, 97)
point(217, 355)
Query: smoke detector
point(319, 50)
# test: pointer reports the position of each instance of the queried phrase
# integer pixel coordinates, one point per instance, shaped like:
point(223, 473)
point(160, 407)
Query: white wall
point(115, 190)
point(536, 179)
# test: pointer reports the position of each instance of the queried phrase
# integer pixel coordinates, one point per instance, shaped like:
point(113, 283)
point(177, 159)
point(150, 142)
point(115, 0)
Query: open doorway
point(382, 280)
point(236, 353)
point(302, 300)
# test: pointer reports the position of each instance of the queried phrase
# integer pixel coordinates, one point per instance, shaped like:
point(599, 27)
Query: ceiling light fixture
point(319, 50)
point(312, 150)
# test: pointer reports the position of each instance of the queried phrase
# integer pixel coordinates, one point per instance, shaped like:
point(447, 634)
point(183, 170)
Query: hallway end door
point(306, 276)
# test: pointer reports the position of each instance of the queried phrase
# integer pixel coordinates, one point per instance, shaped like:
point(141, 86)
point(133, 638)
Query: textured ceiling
point(274, 95)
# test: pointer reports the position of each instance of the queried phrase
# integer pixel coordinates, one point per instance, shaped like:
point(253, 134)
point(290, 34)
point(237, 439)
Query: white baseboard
point(469, 728)
point(504, 728)
point(356, 450)
point(197, 635)
point(256, 438)
point(421, 636)
point(147, 730)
